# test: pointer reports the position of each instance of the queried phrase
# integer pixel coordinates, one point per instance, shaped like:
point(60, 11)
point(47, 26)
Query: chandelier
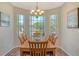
point(37, 12)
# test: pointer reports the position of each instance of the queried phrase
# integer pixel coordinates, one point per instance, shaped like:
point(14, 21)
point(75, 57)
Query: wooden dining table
point(26, 50)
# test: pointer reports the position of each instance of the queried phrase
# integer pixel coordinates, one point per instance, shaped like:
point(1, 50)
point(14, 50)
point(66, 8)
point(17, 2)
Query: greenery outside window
point(37, 27)
point(53, 24)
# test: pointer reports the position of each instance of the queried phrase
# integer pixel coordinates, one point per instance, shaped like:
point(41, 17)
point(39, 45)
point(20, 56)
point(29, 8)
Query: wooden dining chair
point(22, 38)
point(53, 41)
point(38, 48)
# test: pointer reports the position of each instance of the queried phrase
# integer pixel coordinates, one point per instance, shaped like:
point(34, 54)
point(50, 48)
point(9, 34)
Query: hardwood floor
point(60, 52)
point(16, 52)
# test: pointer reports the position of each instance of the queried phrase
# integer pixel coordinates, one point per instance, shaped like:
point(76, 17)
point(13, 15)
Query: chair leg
point(45, 53)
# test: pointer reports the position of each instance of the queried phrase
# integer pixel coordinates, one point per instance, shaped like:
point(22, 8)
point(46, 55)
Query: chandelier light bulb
point(38, 10)
point(42, 11)
point(35, 13)
point(32, 11)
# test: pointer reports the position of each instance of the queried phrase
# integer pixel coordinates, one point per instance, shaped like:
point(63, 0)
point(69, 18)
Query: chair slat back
point(37, 48)
point(38, 44)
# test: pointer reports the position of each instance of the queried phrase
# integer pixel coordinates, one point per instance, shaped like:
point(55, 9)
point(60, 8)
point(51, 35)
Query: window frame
point(56, 23)
point(18, 24)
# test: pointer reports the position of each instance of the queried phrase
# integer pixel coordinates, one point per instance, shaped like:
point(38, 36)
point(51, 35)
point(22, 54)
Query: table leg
point(54, 51)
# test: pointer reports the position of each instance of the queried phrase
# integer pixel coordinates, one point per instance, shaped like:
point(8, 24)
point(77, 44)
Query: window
point(20, 24)
point(53, 23)
point(36, 26)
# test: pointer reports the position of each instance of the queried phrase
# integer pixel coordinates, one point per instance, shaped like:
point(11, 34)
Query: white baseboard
point(65, 51)
point(8, 51)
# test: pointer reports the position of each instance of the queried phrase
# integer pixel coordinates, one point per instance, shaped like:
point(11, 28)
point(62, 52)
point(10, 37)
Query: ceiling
point(41, 5)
